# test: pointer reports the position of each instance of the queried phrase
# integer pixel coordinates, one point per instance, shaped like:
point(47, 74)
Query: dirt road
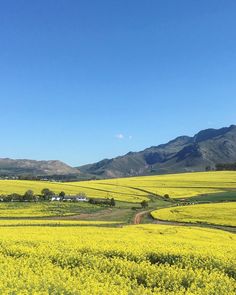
point(139, 215)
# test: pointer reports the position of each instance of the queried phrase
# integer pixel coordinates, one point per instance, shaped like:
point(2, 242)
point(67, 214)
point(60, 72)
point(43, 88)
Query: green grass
point(113, 215)
point(218, 197)
point(123, 212)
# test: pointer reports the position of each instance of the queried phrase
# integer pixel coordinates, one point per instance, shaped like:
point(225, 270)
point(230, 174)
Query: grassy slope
point(218, 213)
point(218, 197)
point(136, 189)
point(123, 212)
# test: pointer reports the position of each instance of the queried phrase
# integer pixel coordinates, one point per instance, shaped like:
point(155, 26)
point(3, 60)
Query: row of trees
point(226, 166)
point(47, 194)
point(29, 195)
point(104, 202)
point(222, 167)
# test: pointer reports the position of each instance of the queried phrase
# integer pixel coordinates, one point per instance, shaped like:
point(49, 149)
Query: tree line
point(47, 195)
point(29, 195)
point(107, 202)
point(226, 166)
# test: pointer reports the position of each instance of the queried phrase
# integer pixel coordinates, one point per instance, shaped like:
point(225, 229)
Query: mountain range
point(183, 154)
point(35, 168)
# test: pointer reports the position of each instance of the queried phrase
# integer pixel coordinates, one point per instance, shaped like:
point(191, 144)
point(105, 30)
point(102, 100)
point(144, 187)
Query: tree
point(144, 204)
point(226, 166)
point(36, 198)
point(16, 197)
point(29, 195)
point(7, 198)
point(82, 194)
point(208, 168)
point(62, 194)
point(113, 202)
point(91, 201)
point(47, 193)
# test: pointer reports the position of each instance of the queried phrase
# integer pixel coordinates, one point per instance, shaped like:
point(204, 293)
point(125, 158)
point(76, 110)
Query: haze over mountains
point(183, 154)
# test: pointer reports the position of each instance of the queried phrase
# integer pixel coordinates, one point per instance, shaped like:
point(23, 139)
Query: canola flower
point(134, 189)
point(44, 209)
point(214, 213)
point(143, 259)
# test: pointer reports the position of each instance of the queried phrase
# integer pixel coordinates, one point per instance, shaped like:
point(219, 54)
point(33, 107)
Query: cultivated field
point(81, 248)
point(135, 189)
point(215, 213)
point(143, 259)
point(44, 209)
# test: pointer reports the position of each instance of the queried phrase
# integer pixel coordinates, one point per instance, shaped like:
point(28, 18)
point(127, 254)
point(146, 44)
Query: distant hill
point(32, 167)
point(183, 154)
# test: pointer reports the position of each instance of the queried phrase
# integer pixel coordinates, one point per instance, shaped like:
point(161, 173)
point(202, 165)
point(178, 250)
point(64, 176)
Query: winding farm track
point(205, 225)
point(139, 215)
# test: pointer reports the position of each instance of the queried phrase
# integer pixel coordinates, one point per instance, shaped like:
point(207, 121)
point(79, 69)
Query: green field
point(215, 213)
point(136, 189)
point(217, 197)
point(123, 212)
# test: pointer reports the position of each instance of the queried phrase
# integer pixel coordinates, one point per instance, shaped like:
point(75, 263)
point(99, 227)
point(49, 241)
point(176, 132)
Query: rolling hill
point(32, 167)
point(200, 185)
point(183, 154)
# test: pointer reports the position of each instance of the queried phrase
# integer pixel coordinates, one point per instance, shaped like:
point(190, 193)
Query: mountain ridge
point(18, 167)
point(183, 154)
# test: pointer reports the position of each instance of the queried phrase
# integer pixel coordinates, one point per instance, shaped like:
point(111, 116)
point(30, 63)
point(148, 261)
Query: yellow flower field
point(108, 257)
point(52, 222)
point(135, 189)
point(133, 260)
point(220, 213)
point(44, 209)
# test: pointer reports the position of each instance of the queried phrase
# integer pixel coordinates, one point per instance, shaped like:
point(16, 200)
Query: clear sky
point(85, 80)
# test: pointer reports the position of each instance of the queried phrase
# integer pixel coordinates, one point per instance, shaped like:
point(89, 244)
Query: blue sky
point(85, 80)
